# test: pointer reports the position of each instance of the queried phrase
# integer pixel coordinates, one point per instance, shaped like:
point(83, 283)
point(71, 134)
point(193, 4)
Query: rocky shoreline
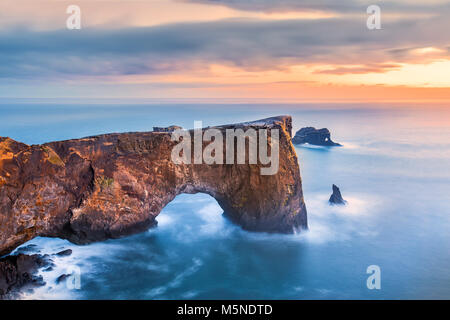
point(19, 272)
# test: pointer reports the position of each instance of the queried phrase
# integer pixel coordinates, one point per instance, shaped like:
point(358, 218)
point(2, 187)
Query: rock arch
point(111, 185)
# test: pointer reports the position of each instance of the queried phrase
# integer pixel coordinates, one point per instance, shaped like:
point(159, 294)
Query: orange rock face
point(112, 185)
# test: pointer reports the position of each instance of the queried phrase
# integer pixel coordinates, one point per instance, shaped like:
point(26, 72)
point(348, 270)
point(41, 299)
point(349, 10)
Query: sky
point(219, 50)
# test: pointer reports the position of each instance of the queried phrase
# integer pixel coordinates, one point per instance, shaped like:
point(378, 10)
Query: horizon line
point(218, 101)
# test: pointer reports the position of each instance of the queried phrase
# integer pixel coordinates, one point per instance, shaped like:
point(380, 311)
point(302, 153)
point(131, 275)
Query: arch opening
point(194, 215)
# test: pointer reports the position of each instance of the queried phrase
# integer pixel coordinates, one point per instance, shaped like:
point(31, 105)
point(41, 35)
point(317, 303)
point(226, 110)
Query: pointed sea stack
point(336, 197)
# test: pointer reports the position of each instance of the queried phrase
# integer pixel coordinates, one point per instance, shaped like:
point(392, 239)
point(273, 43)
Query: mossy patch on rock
point(104, 182)
point(53, 157)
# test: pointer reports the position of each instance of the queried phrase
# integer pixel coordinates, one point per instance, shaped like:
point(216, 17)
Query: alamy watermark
point(374, 280)
point(73, 22)
point(374, 19)
point(73, 280)
point(261, 146)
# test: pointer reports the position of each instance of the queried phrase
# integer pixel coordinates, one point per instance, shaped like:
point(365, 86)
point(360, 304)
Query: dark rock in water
point(166, 129)
point(336, 197)
point(31, 248)
point(318, 137)
point(62, 278)
point(19, 271)
point(48, 269)
point(113, 185)
point(64, 253)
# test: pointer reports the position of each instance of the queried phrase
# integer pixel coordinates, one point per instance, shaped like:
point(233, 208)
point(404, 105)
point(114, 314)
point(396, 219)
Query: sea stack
point(336, 197)
point(318, 137)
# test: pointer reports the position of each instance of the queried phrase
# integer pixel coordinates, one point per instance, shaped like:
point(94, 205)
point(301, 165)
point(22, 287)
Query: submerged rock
point(336, 197)
point(64, 253)
point(319, 137)
point(31, 248)
point(62, 278)
point(112, 185)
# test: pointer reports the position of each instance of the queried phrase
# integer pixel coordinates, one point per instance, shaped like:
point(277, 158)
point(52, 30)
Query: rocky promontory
point(318, 137)
point(111, 185)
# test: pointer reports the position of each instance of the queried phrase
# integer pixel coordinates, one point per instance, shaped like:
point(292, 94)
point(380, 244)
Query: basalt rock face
point(112, 185)
point(319, 137)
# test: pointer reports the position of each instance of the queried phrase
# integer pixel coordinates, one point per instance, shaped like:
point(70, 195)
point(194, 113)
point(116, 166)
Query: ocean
point(393, 169)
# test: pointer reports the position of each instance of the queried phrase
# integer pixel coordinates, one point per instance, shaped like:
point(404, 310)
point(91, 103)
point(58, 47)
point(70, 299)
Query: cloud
point(342, 6)
point(376, 68)
point(244, 43)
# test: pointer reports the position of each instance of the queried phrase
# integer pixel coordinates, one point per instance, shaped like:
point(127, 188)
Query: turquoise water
point(394, 171)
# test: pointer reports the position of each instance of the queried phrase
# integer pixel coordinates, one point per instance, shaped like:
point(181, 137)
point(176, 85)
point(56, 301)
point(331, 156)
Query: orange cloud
point(377, 68)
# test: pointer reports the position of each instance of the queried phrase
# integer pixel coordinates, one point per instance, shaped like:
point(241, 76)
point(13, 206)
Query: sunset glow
point(225, 49)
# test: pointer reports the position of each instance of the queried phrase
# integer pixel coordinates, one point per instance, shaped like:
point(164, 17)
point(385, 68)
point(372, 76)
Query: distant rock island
point(318, 137)
point(336, 197)
point(111, 185)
